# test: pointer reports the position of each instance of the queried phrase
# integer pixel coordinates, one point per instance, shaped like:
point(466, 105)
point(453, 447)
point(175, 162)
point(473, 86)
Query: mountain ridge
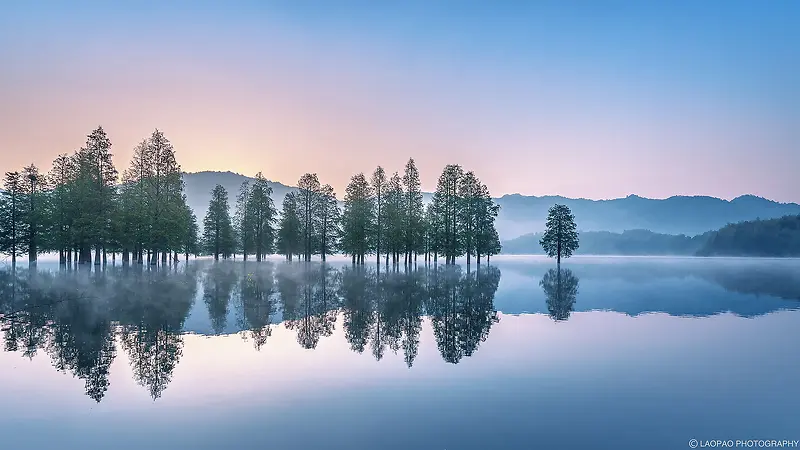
point(522, 214)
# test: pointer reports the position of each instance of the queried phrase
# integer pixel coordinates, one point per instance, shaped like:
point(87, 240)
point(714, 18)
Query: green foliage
point(261, 217)
point(775, 237)
point(378, 187)
point(461, 217)
point(358, 226)
point(414, 226)
point(289, 238)
point(218, 234)
point(560, 238)
point(13, 210)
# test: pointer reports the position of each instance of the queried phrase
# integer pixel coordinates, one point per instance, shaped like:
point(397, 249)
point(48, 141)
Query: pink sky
point(284, 97)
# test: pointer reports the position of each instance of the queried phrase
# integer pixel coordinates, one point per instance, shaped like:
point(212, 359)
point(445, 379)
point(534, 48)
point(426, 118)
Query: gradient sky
point(595, 99)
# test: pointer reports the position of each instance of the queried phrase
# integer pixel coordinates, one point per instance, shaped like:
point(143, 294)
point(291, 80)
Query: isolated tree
point(414, 212)
point(289, 239)
point(357, 219)
point(378, 187)
point(218, 235)
point(560, 237)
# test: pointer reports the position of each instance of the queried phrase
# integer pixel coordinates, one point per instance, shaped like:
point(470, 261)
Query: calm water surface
point(624, 353)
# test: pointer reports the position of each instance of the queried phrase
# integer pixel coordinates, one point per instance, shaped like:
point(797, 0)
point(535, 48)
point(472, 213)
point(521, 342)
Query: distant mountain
point(520, 214)
point(200, 184)
point(675, 215)
point(631, 242)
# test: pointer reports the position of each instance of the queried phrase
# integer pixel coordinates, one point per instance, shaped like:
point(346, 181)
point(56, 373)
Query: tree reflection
point(218, 286)
point(461, 309)
point(311, 302)
point(256, 289)
point(74, 316)
point(77, 317)
point(560, 288)
point(153, 306)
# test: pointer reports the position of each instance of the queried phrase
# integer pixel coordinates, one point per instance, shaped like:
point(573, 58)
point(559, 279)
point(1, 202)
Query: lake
point(623, 353)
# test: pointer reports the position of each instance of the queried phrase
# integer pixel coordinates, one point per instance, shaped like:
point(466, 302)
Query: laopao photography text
point(746, 443)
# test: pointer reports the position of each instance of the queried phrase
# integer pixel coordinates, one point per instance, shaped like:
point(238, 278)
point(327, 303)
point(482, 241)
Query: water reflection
point(77, 316)
point(83, 319)
point(560, 287)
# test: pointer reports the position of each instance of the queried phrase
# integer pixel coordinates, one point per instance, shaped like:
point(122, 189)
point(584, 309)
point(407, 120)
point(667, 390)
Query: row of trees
point(384, 216)
point(83, 210)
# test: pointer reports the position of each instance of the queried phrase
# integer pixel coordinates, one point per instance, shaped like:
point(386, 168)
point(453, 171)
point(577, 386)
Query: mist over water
point(517, 354)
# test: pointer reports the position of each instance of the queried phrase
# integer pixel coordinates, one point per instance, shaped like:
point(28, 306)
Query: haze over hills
point(520, 215)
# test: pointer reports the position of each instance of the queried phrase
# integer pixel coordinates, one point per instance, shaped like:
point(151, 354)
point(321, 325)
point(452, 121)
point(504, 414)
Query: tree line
point(383, 216)
point(84, 210)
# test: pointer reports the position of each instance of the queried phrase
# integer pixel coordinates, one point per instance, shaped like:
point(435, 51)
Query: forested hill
point(520, 215)
point(775, 237)
point(766, 238)
point(675, 215)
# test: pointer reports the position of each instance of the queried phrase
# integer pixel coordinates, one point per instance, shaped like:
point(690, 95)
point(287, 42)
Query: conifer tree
point(308, 201)
point(446, 211)
point(33, 185)
point(13, 217)
point(414, 212)
point(95, 194)
point(262, 211)
point(395, 218)
point(560, 237)
point(61, 207)
point(357, 219)
point(218, 236)
point(243, 222)
point(328, 218)
point(289, 239)
point(378, 187)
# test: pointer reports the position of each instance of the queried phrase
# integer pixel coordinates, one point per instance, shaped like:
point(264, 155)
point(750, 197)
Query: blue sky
point(594, 99)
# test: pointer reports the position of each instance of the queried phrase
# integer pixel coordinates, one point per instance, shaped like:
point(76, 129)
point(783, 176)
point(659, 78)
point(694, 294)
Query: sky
point(593, 99)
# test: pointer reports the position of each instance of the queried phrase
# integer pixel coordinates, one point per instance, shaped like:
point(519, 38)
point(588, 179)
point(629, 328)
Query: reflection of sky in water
point(601, 379)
